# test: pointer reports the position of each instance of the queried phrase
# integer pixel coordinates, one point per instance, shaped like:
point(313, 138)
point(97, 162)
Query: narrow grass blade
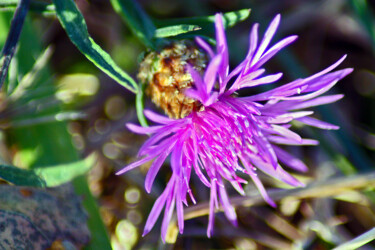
point(358, 241)
point(175, 30)
point(230, 19)
point(30, 78)
point(75, 26)
point(63, 173)
point(138, 21)
point(43, 8)
point(12, 39)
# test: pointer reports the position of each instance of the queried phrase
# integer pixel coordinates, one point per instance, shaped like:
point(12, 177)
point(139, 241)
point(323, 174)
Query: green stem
point(99, 235)
point(139, 105)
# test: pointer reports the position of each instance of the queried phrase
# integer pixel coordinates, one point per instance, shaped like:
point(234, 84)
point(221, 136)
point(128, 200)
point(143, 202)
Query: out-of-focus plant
point(36, 109)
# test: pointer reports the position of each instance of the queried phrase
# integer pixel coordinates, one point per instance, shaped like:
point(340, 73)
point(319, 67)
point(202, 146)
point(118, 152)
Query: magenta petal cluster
point(232, 134)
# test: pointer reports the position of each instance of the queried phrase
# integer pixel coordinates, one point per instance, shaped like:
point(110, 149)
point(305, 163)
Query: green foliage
point(206, 22)
point(21, 177)
point(43, 147)
point(138, 21)
point(34, 118)
point(40, 7)
point(175, 30)
point(366, 17)
point(9, 48)
point(75, 26)
point(143, 27)
point(63, 173)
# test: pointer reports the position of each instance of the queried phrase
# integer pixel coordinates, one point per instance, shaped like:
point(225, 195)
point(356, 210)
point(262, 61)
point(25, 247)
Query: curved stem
point(139, 105)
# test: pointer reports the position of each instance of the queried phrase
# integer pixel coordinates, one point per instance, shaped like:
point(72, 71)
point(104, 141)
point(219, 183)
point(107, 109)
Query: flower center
point(166, 77)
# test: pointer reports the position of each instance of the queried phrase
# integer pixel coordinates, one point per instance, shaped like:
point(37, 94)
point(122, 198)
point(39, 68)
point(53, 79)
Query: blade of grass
point(138, 21)
point(230, 19)
point(12, 39)
point(45, 145)
point(74, 24)
point(359, 241)
point(62, 173)
point(175, 30)
point(60, 116)
point(31, 76)
point(43, 8)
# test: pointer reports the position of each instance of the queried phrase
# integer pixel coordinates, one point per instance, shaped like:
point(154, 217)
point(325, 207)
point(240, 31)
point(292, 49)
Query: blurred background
point(327, 30)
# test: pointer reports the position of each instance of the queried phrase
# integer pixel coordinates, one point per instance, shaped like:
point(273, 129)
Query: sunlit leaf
point(175, 30)
point(43, 8)
point(20, 177)
point(59, 174)
point(75, 26)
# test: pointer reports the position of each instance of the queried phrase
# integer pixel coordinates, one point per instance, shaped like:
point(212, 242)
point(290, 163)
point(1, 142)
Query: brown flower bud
point(166, 77)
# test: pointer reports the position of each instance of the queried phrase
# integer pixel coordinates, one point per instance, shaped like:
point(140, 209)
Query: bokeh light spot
point(132, 195)
point(111, 151)
point(114, 107)
point(126, 234)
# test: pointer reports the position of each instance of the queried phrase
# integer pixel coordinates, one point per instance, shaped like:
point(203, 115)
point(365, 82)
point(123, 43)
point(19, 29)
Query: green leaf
point(232, 18)
point(43, 119)
point(366, 17)
point(75, 26)
point(99, 235)
point(205, 22)
point(44, 8)
point(138, 21)
point(60, 174)
point(8, 3)
point(11, 42)
point(175, 30)
point(45, 145)
point(20, 177)
point(31, 77)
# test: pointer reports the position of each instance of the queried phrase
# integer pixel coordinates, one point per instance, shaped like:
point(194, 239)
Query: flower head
point(166, 77)
point(231, 134)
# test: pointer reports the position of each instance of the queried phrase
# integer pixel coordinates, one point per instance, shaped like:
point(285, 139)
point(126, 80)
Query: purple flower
point(232, 134)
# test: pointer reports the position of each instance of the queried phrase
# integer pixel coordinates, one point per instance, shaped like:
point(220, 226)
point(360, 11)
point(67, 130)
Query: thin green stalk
point(12, 39)
point(139, 105)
